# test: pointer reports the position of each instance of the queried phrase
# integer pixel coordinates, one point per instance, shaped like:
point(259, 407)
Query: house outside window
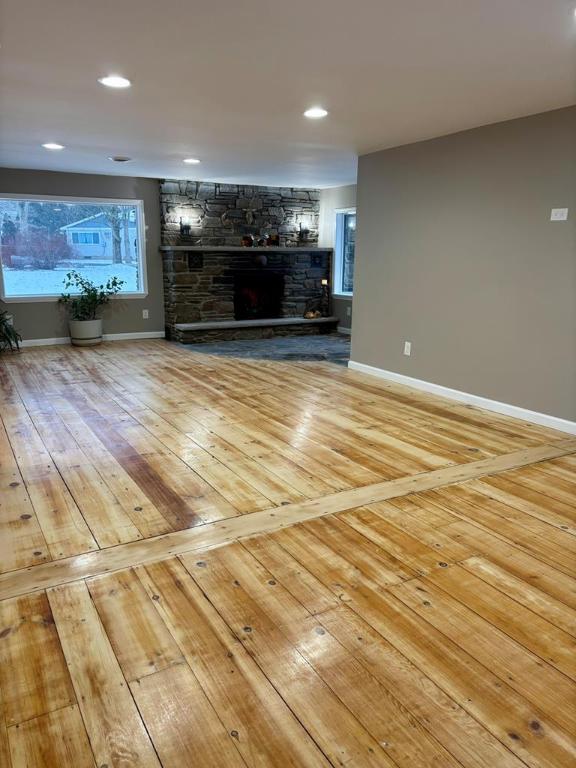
point(344, 252)
point(44, 238)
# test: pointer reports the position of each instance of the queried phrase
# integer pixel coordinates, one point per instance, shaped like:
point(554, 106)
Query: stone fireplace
point(215, 289)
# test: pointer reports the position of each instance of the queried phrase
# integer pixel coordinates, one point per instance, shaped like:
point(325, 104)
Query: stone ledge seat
point(229, 330)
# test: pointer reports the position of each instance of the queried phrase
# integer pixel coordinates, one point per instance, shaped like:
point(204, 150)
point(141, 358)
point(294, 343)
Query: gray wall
point(332, 200)
point(41, 320)
point(456, 253)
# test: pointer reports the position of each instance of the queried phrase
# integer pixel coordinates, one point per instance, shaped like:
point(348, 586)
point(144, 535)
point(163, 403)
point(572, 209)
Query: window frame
point(338, 260)
point(141, 234)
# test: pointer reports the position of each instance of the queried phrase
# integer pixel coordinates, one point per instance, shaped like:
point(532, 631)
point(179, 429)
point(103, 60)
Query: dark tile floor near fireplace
point(333, 348)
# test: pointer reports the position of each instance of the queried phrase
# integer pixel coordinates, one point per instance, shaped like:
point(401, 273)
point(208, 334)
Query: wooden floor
point(217, 562)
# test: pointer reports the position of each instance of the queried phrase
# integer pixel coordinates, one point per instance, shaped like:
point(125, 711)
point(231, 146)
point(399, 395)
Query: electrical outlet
point(559, 214)
point(144, 314)
point(348, 311)
point(408, 348)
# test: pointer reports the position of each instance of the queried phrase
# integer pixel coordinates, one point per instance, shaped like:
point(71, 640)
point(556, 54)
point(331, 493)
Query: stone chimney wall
point(203, 213)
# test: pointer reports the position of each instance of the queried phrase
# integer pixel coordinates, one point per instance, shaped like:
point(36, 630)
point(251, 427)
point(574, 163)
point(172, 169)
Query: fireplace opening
point(258, 294)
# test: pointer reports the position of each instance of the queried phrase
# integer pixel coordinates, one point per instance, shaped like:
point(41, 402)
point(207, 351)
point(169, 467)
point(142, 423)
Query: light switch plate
point(559, 214)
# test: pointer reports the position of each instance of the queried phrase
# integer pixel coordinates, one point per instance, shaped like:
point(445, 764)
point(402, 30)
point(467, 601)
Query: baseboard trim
point(106, 337)
point(135, 335)
point(45, 342)
point(543, 419)
point(345, 331)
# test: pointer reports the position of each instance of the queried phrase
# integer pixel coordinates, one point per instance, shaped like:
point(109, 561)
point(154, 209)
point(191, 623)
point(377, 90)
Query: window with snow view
point(43, 239)
point(344, 250)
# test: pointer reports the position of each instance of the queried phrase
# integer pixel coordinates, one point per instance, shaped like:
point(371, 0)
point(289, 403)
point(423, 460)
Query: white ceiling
point(227, 80)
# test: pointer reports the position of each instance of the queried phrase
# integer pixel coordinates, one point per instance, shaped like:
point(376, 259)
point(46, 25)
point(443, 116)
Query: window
point(345, 244)
point(44, 238)
point(88, 238)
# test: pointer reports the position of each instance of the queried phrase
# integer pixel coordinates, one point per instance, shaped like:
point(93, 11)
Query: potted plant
point(9, 336)
point(84, 304)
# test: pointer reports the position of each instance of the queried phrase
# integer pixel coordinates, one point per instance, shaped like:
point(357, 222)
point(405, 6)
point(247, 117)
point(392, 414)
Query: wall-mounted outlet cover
point(348, 311)
point(408, 348)
point(145, 314)
point(559, 214)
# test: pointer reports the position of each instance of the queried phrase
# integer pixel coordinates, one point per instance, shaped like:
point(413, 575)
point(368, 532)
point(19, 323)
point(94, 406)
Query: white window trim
point(138, 204)
point(338, 252)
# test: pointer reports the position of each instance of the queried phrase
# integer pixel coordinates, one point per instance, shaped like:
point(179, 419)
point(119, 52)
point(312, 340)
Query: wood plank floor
point(221, 562)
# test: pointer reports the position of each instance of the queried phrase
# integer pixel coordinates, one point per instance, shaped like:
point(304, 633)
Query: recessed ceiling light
point(52, 145)
point(315, 113)
point(115, 81)
point(120, 158)
point(191, 160)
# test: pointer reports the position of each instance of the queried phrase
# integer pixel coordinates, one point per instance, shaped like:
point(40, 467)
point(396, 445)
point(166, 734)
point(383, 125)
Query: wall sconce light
point(187, 222)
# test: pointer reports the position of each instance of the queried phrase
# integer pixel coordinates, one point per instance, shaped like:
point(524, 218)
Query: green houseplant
point(9, 336)
point(84, 304)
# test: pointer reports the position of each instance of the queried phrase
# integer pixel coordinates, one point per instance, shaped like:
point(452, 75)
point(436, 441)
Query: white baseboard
point(543, 419)
point(45, 342)
point(106, 337)
point(135, 335)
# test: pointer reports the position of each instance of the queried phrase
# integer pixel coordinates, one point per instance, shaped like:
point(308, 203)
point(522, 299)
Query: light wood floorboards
point(223, 563)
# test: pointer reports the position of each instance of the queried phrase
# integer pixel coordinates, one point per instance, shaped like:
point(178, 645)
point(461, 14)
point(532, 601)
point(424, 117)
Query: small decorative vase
point(85, 333)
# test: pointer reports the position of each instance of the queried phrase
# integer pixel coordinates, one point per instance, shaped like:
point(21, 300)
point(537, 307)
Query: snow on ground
point(50, 282)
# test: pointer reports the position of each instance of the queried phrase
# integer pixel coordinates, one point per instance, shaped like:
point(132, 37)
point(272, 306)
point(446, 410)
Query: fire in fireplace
point(258, 294)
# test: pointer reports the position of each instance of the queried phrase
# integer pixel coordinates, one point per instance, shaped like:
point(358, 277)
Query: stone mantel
point(248, 250)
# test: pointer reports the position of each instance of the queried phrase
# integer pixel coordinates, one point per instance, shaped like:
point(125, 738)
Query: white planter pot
point(85, 333)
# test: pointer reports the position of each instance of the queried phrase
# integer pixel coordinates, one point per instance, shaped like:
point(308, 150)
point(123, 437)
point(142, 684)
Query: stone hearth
point(237, 330)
